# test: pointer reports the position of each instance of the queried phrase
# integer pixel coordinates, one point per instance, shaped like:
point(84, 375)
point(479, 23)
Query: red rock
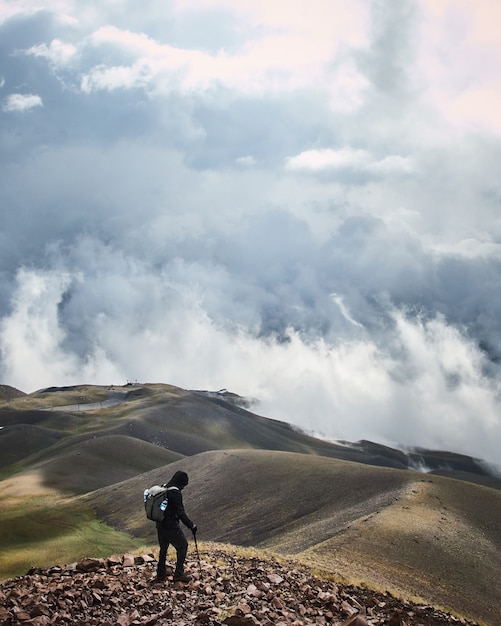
point(128, 560)
point(326, 597)
point(43, 620)
point(236, 620)
point(347, 608)
point(114, 560)
point(38, 610)
point(238, 592)
point(244, 608)
point(203, 618)
point(395, 619)
point(275, 579)
point(277, 603)
point(4, 615)
point(89, 565)
point(356, 620)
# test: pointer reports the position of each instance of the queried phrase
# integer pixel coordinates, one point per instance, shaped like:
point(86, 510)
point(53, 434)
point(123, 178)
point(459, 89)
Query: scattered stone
point(396, 619)
point(88, 565)
point(356, 620)
point(114, 560)
point(129, 560)
point(275, 579)
point(236, 591)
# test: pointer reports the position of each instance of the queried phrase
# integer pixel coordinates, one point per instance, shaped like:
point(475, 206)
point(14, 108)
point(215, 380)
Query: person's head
point(179, 480)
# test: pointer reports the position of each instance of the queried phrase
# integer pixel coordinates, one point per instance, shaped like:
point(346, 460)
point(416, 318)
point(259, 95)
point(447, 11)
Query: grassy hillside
point(8, 393)
point(101, 461)
point(38, 427)
point(435, 538)
point(76, 460)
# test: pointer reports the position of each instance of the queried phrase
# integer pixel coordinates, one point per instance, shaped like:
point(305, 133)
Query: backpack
point(156, 501)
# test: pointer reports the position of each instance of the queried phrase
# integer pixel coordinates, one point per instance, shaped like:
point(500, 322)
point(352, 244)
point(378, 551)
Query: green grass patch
point(41, 532)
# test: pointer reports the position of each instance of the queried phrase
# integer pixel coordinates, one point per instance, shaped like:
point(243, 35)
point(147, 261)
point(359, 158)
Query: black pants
point(175, 537)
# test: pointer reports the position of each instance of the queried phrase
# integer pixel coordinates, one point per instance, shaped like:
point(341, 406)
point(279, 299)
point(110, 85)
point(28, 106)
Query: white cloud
point(57, 52)
point(31, 334)
point(18, 102)
point(246, 161)
point(63, 8)
point(163, 209)
point(458, 47)
point(348, 159)
point(480, 247)
point(328, 159)
point(344, 311)
point(117, 77)
point(293, 58)
point(425, 388)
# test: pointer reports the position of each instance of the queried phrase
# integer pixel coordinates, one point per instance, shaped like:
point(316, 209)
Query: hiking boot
point(181, 578)
point(158, 579)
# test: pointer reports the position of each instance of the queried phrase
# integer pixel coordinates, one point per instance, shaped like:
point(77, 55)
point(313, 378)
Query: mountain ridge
point(355, 510)
point(198, 421)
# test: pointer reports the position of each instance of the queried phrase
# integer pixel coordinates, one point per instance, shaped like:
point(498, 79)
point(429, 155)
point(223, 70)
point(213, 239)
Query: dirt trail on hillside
point(420, 547)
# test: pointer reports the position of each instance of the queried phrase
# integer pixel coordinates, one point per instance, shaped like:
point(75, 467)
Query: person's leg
point(178, 540)
point(163, 542)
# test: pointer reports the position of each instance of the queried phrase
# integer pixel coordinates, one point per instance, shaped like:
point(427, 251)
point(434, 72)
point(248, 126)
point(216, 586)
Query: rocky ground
point(225, 589)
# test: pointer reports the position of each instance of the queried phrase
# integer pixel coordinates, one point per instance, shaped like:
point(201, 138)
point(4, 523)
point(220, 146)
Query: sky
point(298, 202)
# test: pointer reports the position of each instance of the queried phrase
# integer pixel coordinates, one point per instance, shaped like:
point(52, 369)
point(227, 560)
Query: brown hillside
point(354, 510)
point(115, 457)
point(9, 393)
point(430, 538)
point(39, 427)
point(22, 440)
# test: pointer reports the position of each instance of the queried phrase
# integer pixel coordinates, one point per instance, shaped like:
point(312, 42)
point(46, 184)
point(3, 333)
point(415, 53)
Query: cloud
point(348, 159)
point(32, 334)
point(422, 390)
point(57, 52)
point(246, 161)
point(301, 206)
point(328, 159)
point(457, 46)
point(18, 102)
point(309, 48)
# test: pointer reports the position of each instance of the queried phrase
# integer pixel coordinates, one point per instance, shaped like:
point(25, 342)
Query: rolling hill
point(77, 459)
point(432, 538)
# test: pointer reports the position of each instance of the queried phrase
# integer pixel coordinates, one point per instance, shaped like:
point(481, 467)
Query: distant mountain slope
point(355, 509)
point(20, 441)
point(429, 537)
point(37, 427)
point(8, 393)
point(89, 464)
point(243, 496)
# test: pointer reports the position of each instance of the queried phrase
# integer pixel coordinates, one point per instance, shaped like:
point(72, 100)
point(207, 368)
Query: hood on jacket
point(179, 480)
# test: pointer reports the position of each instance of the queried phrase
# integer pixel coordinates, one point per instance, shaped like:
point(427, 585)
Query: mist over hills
point(358, 510)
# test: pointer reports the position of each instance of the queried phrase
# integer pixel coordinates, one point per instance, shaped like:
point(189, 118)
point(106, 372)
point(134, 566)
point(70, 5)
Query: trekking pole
point(196, 550)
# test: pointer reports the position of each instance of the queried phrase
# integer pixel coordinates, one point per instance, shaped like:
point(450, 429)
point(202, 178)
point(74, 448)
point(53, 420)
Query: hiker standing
point(169, 531)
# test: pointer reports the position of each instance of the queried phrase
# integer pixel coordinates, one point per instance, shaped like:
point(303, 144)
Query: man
point(169, 531)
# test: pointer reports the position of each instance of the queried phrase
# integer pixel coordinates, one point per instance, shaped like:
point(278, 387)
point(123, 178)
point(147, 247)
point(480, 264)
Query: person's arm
point(181, 513)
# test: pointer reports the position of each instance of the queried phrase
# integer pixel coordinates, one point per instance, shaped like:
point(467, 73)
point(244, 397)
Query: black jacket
point(175, 509)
